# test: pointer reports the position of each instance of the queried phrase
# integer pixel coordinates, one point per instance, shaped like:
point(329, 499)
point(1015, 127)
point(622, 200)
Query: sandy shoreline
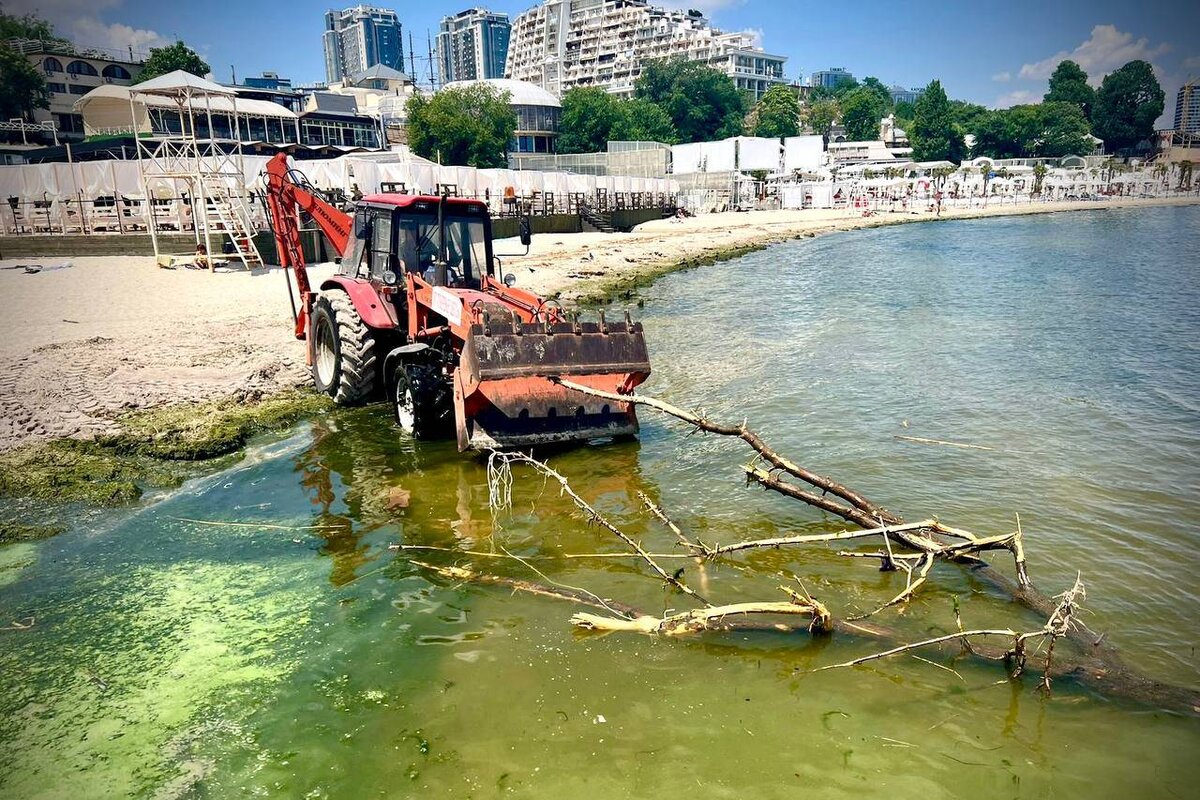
point(81, 345)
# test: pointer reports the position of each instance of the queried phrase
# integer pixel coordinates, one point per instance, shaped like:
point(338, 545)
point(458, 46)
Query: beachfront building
point(537, 113)
point(472, 45)
point(333, 119)
point(561, 44)
point(358, 38)
point(109, 111)
point(863, 153)
point(1187, 108)
point(829, 78)
point(70, 73)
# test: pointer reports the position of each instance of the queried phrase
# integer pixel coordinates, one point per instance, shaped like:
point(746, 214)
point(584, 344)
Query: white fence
point(107, 196)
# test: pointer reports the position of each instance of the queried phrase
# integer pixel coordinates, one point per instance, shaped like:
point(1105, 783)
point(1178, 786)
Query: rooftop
point(523, 94)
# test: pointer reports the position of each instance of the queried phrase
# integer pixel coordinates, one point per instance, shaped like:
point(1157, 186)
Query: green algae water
point(255, 633)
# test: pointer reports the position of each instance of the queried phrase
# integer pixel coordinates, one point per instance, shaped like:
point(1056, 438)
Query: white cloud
point(1002, 77)
point(1192, 64)
point(1105, 50)
point(79, 21)
point(1016, 98)
point(756, 34)
point(92, 32)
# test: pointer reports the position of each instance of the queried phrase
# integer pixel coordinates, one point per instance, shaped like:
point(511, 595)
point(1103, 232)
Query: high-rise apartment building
point(472, 45)
point(1187, 108)
point(358, 38)
point(562, 44)
point(829, 78)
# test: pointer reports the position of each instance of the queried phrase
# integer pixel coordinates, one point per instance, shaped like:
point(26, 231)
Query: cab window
point(381, 245)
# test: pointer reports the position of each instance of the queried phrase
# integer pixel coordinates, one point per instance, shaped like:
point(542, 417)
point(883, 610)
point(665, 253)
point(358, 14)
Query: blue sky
point(992, 53)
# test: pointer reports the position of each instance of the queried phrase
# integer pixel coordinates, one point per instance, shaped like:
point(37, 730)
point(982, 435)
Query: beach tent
point(758, 153)
point(803, 153)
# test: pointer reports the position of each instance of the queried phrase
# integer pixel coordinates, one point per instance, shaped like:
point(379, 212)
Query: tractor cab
point(395, 234)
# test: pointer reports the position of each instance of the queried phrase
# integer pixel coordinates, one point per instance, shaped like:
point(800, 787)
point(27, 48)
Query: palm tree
point(985, 169)
point(1039, 175)
point(1185, 175)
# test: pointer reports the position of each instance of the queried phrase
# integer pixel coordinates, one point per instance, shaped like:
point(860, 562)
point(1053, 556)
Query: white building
point(562, 44)
point(472, 45)
point(70, 73)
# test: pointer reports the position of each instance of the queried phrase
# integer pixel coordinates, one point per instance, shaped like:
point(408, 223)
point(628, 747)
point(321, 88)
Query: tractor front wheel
point(343, 350)
point(420, 400)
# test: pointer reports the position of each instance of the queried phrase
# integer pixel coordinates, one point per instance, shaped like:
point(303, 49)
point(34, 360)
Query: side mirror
point(510, 280)
point(526, 231)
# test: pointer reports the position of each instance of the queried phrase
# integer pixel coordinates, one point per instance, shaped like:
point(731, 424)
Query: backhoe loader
point(420, 314)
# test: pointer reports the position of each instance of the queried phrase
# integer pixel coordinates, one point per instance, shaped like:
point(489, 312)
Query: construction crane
point(418, 313)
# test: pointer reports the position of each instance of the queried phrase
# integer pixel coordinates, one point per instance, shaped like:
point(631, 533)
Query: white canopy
point(182, 84)
point(223, 103)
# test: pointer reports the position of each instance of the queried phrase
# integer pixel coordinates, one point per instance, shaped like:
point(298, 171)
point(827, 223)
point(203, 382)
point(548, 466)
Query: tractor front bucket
point(503, 395)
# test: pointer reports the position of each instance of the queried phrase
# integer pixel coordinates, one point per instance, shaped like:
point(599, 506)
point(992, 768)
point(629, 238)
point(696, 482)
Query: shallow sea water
point(174, 657)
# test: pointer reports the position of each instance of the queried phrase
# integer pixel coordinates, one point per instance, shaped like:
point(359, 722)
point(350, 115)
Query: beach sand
point(83, 344)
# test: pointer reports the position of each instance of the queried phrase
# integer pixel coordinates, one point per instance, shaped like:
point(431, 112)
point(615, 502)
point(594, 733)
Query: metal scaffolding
point(193, 162)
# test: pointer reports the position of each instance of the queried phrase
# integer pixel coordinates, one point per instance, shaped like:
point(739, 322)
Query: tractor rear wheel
point(344, 350)
point(421, 400)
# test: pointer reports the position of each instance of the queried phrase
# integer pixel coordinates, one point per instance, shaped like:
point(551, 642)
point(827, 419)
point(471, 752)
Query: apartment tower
point(472, 45)
point(358, 38)
point(562, 44)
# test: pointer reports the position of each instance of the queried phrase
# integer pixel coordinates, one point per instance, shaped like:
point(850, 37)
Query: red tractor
point(419, 314)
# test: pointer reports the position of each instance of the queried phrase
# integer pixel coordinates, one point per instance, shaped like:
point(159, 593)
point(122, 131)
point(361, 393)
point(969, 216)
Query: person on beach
point(201, 260)
point(938, 198)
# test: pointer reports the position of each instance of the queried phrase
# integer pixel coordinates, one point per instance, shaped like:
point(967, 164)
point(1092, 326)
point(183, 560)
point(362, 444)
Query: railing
point(117, 214)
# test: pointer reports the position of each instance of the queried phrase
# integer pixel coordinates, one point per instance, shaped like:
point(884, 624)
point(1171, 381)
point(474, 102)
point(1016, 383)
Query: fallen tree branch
point(1088, 672)
point(702, 619)
point(499, 472)
point(860, 511)
point(745, 434)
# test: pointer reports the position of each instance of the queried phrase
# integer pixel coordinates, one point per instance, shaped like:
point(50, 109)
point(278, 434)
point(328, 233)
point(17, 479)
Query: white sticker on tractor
point(448, 304)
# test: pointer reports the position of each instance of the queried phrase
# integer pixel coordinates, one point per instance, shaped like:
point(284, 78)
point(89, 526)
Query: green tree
point(861, 111)
point(778, 113)
point(882, 92)
point(703, 103)
point(468, 127)
point(1128, 103)
point(998, 135)
point(1042, 130)
point(170, 58)
point(1063, 130)
point(1069, 84)
point(587, 118)
point(820, 115)
point(641, 121)
point(22, 85)
point(967, 116)
point(934, 135)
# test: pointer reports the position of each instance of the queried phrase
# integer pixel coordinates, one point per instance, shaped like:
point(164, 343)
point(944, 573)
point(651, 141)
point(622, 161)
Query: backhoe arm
point(288, 194)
